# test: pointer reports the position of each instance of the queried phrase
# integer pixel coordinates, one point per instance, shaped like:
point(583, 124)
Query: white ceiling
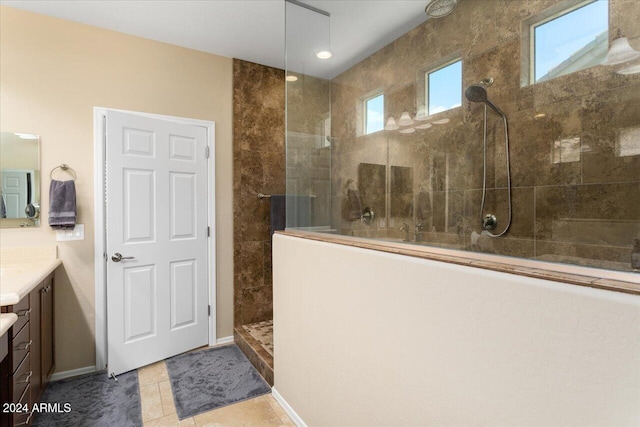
point(252, 30)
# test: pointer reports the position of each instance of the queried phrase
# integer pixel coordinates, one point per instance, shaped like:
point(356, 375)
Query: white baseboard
point(72, 373)
point(287, 408)
point(224, 340)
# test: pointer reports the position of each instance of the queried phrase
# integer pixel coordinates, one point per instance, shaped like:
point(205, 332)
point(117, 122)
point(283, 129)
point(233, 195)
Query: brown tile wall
point(584, 212)
point(258, 167)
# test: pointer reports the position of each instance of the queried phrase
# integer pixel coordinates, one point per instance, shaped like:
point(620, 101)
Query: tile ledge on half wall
point(467, 258)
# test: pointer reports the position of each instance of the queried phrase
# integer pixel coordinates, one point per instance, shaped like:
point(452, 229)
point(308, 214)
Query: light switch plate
point(76, 234)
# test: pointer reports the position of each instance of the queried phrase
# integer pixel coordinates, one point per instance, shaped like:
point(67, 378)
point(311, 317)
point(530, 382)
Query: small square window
point(444, 88)
point(569, 41)
point(374, 114)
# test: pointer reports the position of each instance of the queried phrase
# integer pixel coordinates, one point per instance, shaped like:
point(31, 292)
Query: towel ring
point(65, 168)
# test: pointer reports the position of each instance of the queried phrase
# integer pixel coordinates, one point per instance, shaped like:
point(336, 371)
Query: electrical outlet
point(76, 234)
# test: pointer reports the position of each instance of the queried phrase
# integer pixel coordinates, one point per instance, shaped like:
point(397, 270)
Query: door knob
point(117, 257)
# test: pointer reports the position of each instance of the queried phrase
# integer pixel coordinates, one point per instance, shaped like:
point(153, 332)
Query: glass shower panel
point(308, 118)
point(574, 145)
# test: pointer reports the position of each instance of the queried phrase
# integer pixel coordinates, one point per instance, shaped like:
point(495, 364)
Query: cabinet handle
point(47, 289)
point(26, 345)
point(25, 423)
point(26, 380)
point(23, 313)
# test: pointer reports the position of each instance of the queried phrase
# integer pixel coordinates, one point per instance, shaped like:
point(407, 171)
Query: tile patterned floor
point(158, 409)
point(263, 333)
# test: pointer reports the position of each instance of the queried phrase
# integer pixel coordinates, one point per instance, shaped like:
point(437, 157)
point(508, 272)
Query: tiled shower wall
point(258, 167)
point(585, 211)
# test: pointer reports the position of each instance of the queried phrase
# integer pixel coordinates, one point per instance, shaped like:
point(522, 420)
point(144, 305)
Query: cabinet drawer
point(21, 344)
point(23, 418)
point(22, 309)
point(22, 378)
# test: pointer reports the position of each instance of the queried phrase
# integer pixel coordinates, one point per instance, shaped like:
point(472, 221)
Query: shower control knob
point(368, 215)
point(489, 222)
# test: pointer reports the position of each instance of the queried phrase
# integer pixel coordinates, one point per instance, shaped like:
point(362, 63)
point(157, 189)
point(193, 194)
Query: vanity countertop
point(22, 269)
point(6, 321)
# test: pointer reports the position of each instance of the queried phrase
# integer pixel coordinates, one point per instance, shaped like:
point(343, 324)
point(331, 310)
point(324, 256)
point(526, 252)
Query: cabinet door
point(34, 349)
point(46, 340)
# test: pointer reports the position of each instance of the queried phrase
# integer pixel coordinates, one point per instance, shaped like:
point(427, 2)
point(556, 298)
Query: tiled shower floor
point(256, 342)
point(262, 332)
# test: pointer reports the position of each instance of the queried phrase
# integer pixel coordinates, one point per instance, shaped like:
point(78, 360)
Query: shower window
point(569, 40)
point(444, 87)
point(374, 114)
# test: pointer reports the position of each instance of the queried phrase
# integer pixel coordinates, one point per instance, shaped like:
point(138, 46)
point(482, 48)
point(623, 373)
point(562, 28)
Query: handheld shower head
point(477, 93)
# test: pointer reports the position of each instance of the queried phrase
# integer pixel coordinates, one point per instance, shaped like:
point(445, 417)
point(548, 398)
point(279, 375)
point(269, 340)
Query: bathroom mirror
point(20, 178)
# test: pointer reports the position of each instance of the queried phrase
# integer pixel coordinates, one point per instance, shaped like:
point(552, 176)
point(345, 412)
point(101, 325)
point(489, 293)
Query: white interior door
point(15, 190)
point(156, 218)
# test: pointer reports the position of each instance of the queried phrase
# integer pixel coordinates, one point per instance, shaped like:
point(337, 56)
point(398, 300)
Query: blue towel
point(278, 212)
point(62, 205)
point(291, 211)
point(299, 211)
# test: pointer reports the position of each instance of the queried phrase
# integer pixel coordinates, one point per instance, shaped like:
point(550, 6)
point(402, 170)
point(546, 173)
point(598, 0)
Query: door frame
point(99, 158)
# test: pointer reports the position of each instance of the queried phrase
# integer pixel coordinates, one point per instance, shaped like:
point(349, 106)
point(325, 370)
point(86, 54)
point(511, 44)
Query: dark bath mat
point(209, 379)
point(95, 401)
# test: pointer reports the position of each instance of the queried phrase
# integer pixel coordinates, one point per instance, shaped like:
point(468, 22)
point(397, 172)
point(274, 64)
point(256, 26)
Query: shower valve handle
point(489, 222)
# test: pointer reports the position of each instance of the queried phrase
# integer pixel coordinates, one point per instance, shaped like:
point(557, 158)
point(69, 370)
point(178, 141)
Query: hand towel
point(278, 212)
point(62, 205)
point(299, 210)
point(355, 204)
point(291, 211)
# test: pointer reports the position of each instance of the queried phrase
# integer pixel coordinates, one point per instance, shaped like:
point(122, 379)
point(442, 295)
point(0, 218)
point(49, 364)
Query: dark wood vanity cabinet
point(26, 370)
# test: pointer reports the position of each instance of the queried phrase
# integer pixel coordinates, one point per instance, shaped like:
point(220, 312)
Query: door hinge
point(206, 151)
point(209, 310)
point(208, 231)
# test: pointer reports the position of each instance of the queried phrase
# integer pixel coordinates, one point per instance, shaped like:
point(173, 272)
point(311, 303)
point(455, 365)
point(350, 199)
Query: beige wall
point(53, 72)
point(366, 338)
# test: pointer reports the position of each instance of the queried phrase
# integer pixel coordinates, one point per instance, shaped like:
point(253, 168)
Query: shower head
point(477, 93)
point(440, 8)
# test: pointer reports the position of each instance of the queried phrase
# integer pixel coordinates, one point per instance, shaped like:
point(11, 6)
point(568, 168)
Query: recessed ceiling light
point(292, 78)
point(440, 122)
point(539, 116)
point(324, 54)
